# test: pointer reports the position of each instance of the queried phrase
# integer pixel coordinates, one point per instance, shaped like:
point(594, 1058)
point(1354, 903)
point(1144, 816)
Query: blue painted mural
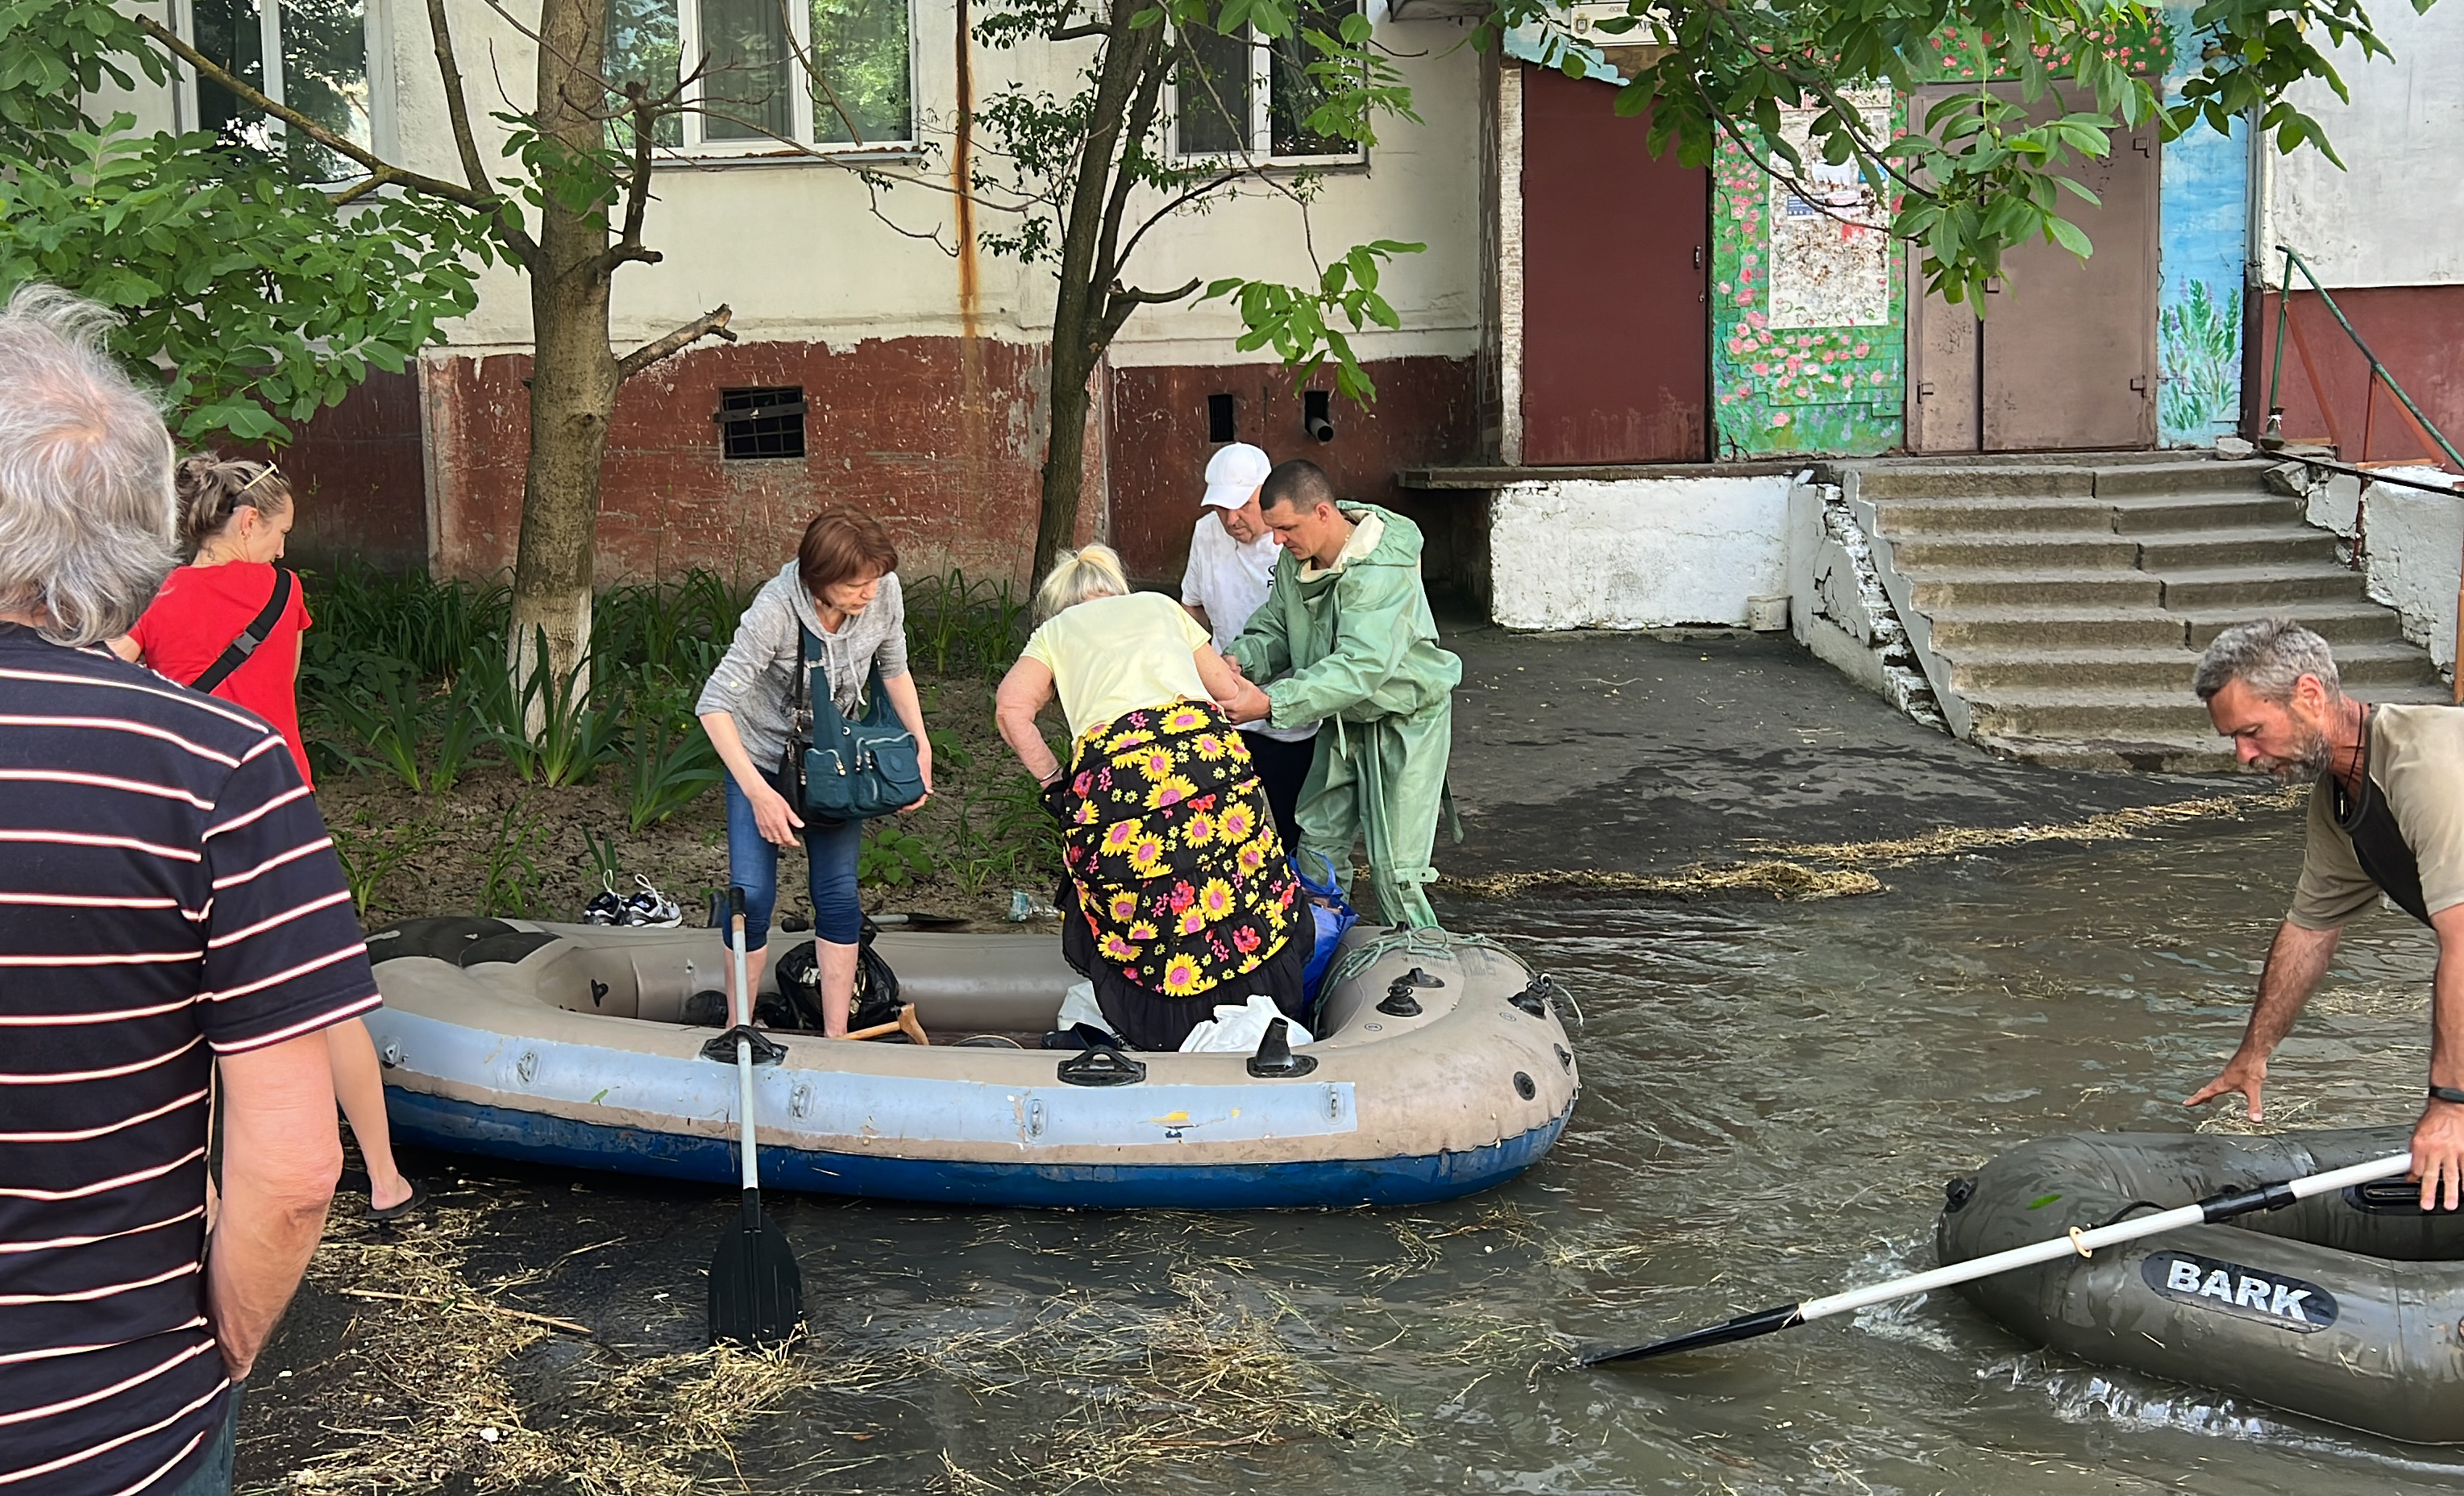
point(2205, 243)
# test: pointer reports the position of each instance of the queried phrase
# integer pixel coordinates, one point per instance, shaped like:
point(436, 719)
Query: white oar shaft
point(743, 1052)
point(2061, 1246)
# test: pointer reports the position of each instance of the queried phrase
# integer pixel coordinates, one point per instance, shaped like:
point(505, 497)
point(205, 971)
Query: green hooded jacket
point(1357, 643)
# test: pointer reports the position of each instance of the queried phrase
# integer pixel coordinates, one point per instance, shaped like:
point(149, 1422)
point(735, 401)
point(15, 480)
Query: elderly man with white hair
point(2387, 818)
point(177, 935)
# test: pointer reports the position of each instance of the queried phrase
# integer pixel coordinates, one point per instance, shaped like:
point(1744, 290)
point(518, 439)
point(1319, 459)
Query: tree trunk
point(1064, 451)
point(573, 373)
point(1086, 253)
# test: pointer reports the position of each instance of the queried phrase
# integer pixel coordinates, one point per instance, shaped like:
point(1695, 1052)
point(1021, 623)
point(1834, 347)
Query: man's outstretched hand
point(2243, 1074)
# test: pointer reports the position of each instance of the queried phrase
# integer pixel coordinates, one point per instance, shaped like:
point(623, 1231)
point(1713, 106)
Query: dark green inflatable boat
point(2349, 1306)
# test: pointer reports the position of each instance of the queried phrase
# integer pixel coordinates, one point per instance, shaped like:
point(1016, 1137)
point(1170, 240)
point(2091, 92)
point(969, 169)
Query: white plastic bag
point(1237, 1031)
point(1079, 1006)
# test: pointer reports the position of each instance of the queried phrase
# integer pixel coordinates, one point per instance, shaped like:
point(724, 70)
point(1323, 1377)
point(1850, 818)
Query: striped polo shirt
point(167, 893)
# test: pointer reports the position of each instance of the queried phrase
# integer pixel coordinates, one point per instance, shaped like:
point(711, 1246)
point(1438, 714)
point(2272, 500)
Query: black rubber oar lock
point(1275, 1059)
point(765, 1050)
point(1101, 1067)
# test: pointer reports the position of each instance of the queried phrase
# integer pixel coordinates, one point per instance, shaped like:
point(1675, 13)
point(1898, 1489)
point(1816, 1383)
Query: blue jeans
point(214, 1478)
point(830, 848)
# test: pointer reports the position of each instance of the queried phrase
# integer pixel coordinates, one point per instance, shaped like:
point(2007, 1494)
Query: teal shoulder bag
point(850, 770)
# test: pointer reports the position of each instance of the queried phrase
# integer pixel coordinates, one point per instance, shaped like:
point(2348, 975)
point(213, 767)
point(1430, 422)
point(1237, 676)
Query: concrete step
point(2089, 711)
point(1933, 481)
point(2154, 754)
point(2272, 546)
point(1956, 517)
point(1966, 627)
point(2175, 512)
point(2257, 589)
point(2125, 711)
point(2014, 552)
point(2195, 476)
point(2105, 587)
point(2003, 669)
point(2340, 624)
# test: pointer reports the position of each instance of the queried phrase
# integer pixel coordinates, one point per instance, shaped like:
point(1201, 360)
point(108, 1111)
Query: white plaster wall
point(1636, 554)
point(2415, 544)
point(2396, 218)
point(799, 253)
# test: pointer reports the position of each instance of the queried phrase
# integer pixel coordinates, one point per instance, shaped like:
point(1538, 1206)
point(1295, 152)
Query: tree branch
point(457, 107)
point(1154, 63)
point(712, 323)
point(209, 69)
point(1120, 301)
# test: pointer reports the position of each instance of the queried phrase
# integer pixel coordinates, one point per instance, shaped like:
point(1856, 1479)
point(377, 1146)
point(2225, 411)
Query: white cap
point(1234, 474)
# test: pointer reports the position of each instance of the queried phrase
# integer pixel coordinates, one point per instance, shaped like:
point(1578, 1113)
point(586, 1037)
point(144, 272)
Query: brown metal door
point(1945, 398)
point(1617, 320)
point(2065, 352)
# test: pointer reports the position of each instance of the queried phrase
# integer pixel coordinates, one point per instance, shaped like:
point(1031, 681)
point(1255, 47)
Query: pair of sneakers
point(646, 906)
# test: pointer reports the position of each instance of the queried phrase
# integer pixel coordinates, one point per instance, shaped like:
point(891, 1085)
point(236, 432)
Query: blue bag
point(850, 771)
point(1332, 918)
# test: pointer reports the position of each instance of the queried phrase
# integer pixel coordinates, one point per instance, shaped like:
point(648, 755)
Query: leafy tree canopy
point(256, 296)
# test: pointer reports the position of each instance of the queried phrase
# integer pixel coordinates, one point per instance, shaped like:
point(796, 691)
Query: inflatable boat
point(1442, 1067)
point(2349, 1306)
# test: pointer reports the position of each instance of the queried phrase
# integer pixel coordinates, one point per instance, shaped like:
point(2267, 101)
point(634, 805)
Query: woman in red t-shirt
point(234, 518)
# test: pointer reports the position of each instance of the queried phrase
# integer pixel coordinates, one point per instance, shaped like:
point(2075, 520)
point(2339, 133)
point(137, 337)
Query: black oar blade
point(757, 1295)
point(1745, 1327)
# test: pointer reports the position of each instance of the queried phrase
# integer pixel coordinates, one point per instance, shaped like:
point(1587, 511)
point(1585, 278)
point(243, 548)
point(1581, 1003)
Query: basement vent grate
point(761, 423)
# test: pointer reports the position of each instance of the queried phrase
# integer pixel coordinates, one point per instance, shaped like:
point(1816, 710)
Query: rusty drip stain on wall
point(971, 347)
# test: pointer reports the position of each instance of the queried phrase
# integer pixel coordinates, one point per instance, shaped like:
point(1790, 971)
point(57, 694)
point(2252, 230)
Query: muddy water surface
point(1775, 1093)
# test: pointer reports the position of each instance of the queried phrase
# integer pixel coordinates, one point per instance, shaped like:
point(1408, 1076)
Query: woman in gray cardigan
point(842, 586)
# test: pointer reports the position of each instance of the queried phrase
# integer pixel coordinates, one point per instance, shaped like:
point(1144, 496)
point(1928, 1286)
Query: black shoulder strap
point(259, 629)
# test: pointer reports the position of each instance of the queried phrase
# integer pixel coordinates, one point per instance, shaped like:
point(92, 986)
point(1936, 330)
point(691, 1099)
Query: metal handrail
point(2378, 371)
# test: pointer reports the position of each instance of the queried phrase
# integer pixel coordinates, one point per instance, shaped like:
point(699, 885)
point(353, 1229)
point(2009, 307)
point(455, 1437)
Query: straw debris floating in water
point(443, 1354)
point(1783, 878)
point(441, 1383)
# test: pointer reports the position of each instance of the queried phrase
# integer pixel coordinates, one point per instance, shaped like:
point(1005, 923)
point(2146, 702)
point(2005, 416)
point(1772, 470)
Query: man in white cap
point(1231, 565)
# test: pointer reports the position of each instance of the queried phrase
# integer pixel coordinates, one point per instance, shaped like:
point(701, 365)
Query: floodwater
point(1775, 1095)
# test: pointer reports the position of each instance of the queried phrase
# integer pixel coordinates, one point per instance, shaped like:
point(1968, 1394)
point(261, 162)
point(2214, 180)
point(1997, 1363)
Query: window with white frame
point(1242, 96)
point(310, 56)
point(755, 89)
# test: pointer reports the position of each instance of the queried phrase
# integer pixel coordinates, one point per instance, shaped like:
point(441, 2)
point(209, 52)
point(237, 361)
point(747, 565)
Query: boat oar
point(2222, 1206)
point(757, 1296)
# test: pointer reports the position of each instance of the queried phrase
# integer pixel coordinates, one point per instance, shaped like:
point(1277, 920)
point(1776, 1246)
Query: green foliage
point(385, 721)
point(672, 762)
point(253, 297)
point(1293, 321)
point(514, 874)
point(370, 856)
point(955, 625)
point(891, 856)
point(568, 728)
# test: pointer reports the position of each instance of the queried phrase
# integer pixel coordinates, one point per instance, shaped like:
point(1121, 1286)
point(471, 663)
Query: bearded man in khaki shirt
point(2387, 817)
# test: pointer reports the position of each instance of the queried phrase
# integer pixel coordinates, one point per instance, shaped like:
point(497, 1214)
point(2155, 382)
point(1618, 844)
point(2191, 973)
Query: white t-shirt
point(1230, 580)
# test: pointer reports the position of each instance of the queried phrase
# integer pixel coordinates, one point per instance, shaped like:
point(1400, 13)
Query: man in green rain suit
point(1346, 637)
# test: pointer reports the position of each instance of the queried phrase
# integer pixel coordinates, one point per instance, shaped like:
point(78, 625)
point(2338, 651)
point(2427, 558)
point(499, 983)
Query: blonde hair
point(214, 489)
point(1076, 576)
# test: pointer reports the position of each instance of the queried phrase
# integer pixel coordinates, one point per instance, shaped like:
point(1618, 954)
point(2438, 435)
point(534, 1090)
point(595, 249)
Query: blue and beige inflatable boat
point(1442, 1067)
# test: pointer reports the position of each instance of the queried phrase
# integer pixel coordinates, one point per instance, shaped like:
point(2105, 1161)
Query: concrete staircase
point(2058, 605)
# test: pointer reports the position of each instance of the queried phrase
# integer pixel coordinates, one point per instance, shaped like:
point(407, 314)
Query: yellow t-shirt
point(1110, 655)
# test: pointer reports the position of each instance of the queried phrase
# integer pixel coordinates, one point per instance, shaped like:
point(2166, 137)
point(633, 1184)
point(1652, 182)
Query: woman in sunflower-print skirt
point(1177, 895)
